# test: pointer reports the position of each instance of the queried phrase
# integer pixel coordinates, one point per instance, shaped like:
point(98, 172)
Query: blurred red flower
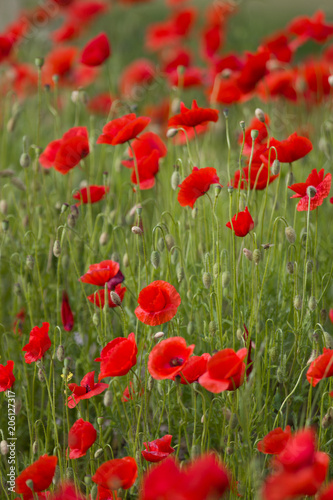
point(19, 321)
point(117, 473)
point(143, 147)
point(327, 493)
point(96, 51)
point(191, 117)
point(106, 271)
point(321, 367)
point(86, 390)
point(275, 441)
point(196, 184)
point(158, 449)
point(98, 298)
point(158, 303)
point(7, 378)
point(171, 31)
point(137, 76)
point(91, 194)
point(289, 150)
point(101, 103)
point(193, 369)
point(66, 491)
point(123, 129)
point(67, 317)
point(127, 395)
point(242, 223)
point(318, 181)
point(260, 175)
point(168, 358)
point(225, 371)
point(118, 357)
point(6, 45)
point(39, 343)
point(40, 473)
point(312, 27)
point(87, 11)
point(81, 437)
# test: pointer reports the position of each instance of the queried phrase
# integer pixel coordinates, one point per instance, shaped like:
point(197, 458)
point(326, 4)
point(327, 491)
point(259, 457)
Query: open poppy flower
point(67, 317)
point(280, 46)
point(106, 271)
point(158, 449)
point(168, 358)
point(242, 223)
point(193, 369)
point(101, 103)
point(39, 343)
point(196, 184)
point(321, 367)
point(98, 298)
point(259, 177)
point(193, 116)
point(81, 437)
point(123, 129)
point(327, 493)
point(275, 441)
point(40, 473)
point(158, 303)
point(91, 194)
point(6, 45)
point(143, 147)
point(192, 77)
point(69, 30)
point(171, 31)
point(225, 371)
point(118, 357)
point(117, 473)
point(148, 167)
point(312, 27)
point(96, 51)
point(279, 83)
point(86, 390)
point(67, 491)
point(140, 73)
point(88, 10)
point(7, 378)
point(289, 150)
point(318, 181)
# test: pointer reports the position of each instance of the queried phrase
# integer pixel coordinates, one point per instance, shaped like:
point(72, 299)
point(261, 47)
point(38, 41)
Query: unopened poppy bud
point(323, 316)
point(207, 280)
point(69, 473)
point(216, 270)
point(115, 298)
point(170, 241)
point(35, 447)
point(311, 191)
point(158, 335)
point(115, 257)
point(175, 106)
point(94, 492)
point(136, 230)
point(40, 375)
point(180, 272)
point(175, 180)
point(217, 190)
point(3, 207)
point(71, 220)
point(290, 234)
point(100, 421)
point(239, 335)
point(260, 115)
point(298, 302)
point(60, 353)
point(328, 340)
point(174, 256)
point(242, 124)
point(39, 62)
point(190, 327)
point(225, 279)
point(290, 267)
point(30, 484)
point(256, 256)
point(194, 212)
point(30, 262)
point(150, 384)
point(57, 248)
point(87, 480)
point(254, 134)
point(328, 417)
point(155, 259)
point(226, 112)
point(25, 160)
point(5, 225)
point(229, 450)
point(273, 353)
point(312, 304)
point(230, 190)
point(315, 336)
point(17, 289)
point(276, 167)
point(125, 260)
point(107, 400)
point(309, 266)
point(248, 254)
point(3, 447)
point(160, 244)
point(103, 239)
point(98, 453)
point(330, 80)
point(172, 132)
point(212, 327)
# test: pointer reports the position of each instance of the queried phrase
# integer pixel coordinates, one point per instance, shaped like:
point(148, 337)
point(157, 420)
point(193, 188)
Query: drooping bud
point(207, 280)
point(174, 256)
point(115, 298)
point(260, 115)
point(103, 239)
point(160, 244)
point(276, 167)
point(256, 256)
point(328, 340)
point(290, 267)
point(298, 302)
point(323, 316)
point(107, 400)
point(312, 304)
point(216, 270)
point(25, 160)
point(155, 259)
point(225, 279)
point(170, 241)
point(40, 375)
point(158, 335)
point(180, 272)
point(95, 319)
point(4, 447)
point(327, 419)
point(194, 212)
point(71, 220)
point(60, 353)
point(98, 453)
point(3, 207)
point(248, 254)
point(57, 248)
point(30, 262)
point(175, 180)
point(125, 260)
point(290, 234)
point(137, 230)
point(172, 132)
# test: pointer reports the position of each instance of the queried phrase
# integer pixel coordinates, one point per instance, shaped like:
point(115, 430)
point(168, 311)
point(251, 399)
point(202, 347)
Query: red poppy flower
point(86, 390)
point(242, 223)
point(275, 441)
point(143, 147)
point(117, 473)
point(259, 176)
point(321, 367)
point(81, 437)
point(123, 129)
point(88, 10)
point(279, 46)
point(96, 51)
point(289, 150)
point(6, 45)
point(158, 449)
point(101, 103)
point(67, 317)
point(40, 473)
point(314, 27)
point(279, 83)
point(327, 493)
point(91, 194)
point(98, 298)
point(181, 138)
point(165, 480)
point(59, 62)
point(317, 180)
point(193, 369)
point(127, 395)
point(69, 30)
point(258, 125)
point(158, 303)
point(211, 41)
point(169, 32)
point(174, 57)
point(138, 74)
point(168, 358)
point(253, 70)
point(39, 343)
point(194, 116)
point(196, 184)
point(7, 378)
point(66, 491)
point(118, 357)
point(316, 74)
point(225, 371)
point(106, 271)
point(192, 77)
point(18, 322)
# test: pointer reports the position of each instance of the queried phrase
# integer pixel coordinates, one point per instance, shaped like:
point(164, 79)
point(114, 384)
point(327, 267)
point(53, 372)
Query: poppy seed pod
point(312, 304)
point(256, 256)
point(225, 279)
point(276, 167)
point(298, 302)
point(155, 259)
point(242, 124)
point(260, 115)
point(207, 280)
point(290, 234)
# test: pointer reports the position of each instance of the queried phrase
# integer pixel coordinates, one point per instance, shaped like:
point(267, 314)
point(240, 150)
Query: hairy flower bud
point(160, 244)
point(207, 280)
point(260, 115)
point(290, 267)
point(225, 279)
point(4, 447)
point(323, 316)
point(256, 256)
point(136, 230)
point(30, 262)
point(180, 272)
point(212, 327)
point(175, 180)
point(190, 327)
point(172, 132)
point(312, 304)
point(115, 298)
point(311, 191)
point(103, 239)
point(276, 167)
point(194, 212)
point(56, 248)
point(107, 400)
point(170, 241)
point(290, 234)
point(25, 160)
point(158, 335)
point(155, 259)
point(254, 134)
point(248, 254)
point(60, 353)
point(298, 302)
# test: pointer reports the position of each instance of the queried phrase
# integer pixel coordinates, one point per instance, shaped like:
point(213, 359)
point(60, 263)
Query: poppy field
point(166, 265)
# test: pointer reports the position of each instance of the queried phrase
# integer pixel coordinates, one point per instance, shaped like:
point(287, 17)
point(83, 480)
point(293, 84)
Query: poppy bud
point(155, 259)
point(290, 234)
point(226, 112)
point(107, 400)
point(160, 244)
point(35, 447)
point(69, 473)
point(311, 191)
point(94, 492)
point(229, 450)
point(260, 115)
point(25, 160)
point(98, 453)
point(239, 335)
point(39, 62)
point(254, 134)
point(330, 80)
point(175, 106)
point(323, 316)
point(100, 421)
point(230, 190)
point(150, 384)
point(87, 480)
point(3, 447)
point(56, 248)
point(328, 340)
point(30, 484)
point(71, 221)
point(248, 254)
point(190, 327)
point(75, 96)
point(40, 375)
point(298, 302)
point(3, 207)
point(136, 230)
point(175, 180)
point(290, 267)
point(158, 335)
point(103, 239)
point(207, 280)
point(60, 353)
point(170, 241)
point(115, 257)
point(309, 266)
point(225, 279)
point(212, 327)
point(30, 262)
point(256, 256)
point(194, 212)
point(312, 304)
point(172, 132)
point(115, 298)
point(180, 272)
point(216, 270)
point(242, 124)
point(276, 167)
point(273, 353)
point(327, 419)
point(174, 256)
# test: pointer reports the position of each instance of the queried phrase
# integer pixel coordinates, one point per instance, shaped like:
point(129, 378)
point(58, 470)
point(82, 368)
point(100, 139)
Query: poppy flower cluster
point(225, 371)
point(39, 343)
point(105, 272)
point(40, 473)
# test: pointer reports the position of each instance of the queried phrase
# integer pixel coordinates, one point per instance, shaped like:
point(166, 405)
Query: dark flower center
point(87, 388)
point(177, 362)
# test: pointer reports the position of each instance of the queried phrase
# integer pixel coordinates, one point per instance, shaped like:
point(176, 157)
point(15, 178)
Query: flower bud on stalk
point(60, 353)
point(115, 298)
point(25, 160)
point(276, 167)
point(312, 304)
point(248, 254)
point(170, 241)
point(207, 280)
point(56, 248)
point(175, 180)
point(256, 256)
point(103, 239)
point(290, 234)
point(311, 191)
point(225, 279)
point(254, 134)
point(290, 267)
point(4, 447)
point(260, 115)
point(298, 302)
point(323, 316)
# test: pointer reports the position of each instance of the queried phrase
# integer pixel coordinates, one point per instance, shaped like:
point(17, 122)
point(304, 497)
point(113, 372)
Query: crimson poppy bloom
point(312, 27)
point(192, 77)
point(87, 11)
point(318, 181)
point(39, 343)
point(158, 449)
point(7, 378)
point(96, 51)
point(327, 493)
point(40, 473)
point(67, 317)
point(279, 46)
point(196, 184)
point(169, 32)
point(138, 74)
point(225, 371)
point(67, 491)
point(98, 298)
point(81, 437)
point(191, 117)
point(106, 271)
point(275, 441)
point(118, 357)
point(158, 303)
point(123, 129)
point(143, 147)
point(321, 367)
point(258, 125)
point(117, 473)
point(242, 223)
point(86, 390)
point(6, 45)
point(260, 176)
point(168, 358)
point(289, 150)
point(128, 395)
point(193, 369)
point(330, 314)
point(91, 194)
point(101, 103)
point(280, 82)
point(69, 30)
